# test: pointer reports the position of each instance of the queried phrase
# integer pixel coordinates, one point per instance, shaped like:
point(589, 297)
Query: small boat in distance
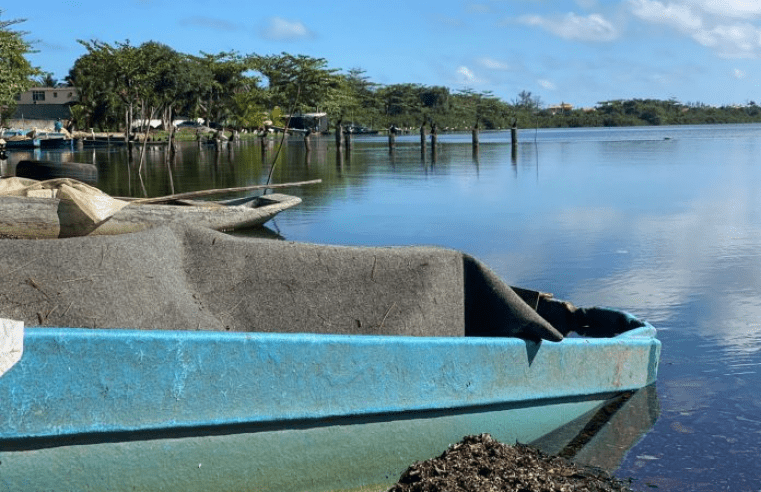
point(20, 139)
point(359, 130)
point(54, 140)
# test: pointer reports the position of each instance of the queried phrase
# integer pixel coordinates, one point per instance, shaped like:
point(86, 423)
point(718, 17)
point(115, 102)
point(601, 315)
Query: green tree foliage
point(301, 82)
point(120, 82)
point(220, 78)
point(47, 80)
point(15, 70)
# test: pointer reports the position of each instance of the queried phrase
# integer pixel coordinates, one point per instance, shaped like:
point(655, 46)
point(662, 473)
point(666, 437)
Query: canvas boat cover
point(173, 278)
point(98, 206)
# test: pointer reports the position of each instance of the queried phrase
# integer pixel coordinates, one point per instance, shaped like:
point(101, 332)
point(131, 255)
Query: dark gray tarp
point(197, 279)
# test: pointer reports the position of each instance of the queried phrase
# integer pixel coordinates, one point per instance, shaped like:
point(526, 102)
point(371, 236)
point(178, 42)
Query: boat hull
point(268, 411)
point(36, 218)
point(22, 144)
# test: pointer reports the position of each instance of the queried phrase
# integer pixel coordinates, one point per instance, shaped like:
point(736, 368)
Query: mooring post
point(434, 139)
point(422, 137)
point(475, 137)
point(392, 138)
point(339, 135)
point(514, 134)
point(348, 141)
point(307, 143)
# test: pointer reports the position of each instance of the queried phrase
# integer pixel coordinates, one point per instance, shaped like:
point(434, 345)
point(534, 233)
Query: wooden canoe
point(36, 218)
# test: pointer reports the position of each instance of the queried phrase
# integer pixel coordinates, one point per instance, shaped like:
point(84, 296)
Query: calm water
point(664, 222)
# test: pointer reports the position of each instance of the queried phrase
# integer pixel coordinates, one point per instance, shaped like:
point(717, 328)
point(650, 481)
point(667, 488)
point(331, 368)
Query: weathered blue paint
point(82, 403)
point(72, 381)
point(300, 458)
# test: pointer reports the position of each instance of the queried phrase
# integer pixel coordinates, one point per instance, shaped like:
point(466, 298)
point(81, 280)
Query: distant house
point(560, 108)
point(46, 103)
point(154, 123)
point(314, 122)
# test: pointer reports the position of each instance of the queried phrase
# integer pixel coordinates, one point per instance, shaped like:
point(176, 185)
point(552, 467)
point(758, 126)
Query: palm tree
point(47, 80)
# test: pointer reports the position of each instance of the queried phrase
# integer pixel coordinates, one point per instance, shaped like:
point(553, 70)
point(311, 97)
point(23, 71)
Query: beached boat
point(36, 218)
point(341, 366)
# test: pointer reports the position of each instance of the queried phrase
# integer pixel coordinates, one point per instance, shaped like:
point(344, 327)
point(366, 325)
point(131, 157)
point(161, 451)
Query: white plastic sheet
point(11, 343)
point(97, 205)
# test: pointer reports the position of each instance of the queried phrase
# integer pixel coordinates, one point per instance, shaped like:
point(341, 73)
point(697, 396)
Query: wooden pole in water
point(339, 135)
point(307, 143)
point(514, 134)
point(392, 138)
point(475, 137)
point(422, 137)
point(348, 141)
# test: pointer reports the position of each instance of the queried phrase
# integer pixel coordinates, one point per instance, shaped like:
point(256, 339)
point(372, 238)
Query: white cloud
point(280, 29)
point(493, 64)
point(679, 16)
point(738, 74)
point(546, 84)
point(593, 27)
point(732, 41)
point(741, 9)
point(707, 24)
point(466, 75)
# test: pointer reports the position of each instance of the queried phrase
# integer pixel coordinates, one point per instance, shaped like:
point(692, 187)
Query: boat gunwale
point(263, 349)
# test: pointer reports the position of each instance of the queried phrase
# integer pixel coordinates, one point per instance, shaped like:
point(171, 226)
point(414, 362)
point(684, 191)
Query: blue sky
point(575, 51)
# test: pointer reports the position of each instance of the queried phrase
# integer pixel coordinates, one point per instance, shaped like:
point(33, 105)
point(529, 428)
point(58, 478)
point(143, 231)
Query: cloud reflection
point(696, 265)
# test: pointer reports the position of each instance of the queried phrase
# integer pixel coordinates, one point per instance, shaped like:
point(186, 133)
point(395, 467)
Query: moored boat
point(66, 207)
point(21, 143)
point(21, 139)
point(229, 364)
point(54, 140)
point(37, 218)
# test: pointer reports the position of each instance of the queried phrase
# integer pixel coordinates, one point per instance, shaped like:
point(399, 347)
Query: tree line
point(120, 83)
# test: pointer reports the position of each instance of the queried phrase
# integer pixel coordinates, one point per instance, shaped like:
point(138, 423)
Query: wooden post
point(348, 141)
point(514, 134)
point(392, 138)
point(475, 137)
point(339, 135)
point(307, 143)
point(422, 137)
point(434, 138)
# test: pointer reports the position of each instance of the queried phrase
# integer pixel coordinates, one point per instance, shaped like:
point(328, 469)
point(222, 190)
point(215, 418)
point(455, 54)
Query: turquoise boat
point(143, 409)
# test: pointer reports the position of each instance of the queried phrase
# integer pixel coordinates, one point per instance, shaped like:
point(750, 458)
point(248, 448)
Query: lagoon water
point(663, 222)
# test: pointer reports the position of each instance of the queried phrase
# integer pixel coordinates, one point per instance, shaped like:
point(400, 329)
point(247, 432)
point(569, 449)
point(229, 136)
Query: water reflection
point(604, 437)
point(669, 230)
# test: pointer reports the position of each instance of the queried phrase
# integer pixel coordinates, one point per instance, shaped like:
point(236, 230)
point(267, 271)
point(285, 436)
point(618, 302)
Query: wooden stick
point(194, 194)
